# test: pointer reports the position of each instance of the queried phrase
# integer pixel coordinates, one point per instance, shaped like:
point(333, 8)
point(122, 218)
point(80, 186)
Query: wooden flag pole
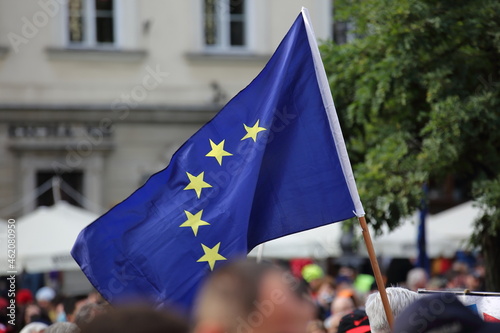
point(344, 158)
point(376, 271)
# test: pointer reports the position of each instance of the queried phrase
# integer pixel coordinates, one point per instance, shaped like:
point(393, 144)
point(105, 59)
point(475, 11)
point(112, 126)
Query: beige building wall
point(44, 82)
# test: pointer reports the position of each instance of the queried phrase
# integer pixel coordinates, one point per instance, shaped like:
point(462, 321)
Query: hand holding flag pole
point(272, 162)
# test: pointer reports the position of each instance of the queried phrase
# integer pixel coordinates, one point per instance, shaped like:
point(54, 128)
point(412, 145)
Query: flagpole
point(376, 270)
point(260, 252)
point(344, 159)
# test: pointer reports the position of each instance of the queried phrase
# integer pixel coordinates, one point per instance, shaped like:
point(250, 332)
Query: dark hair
point(452, 274)
point(136, 319)
point(69, 303)
point(330, 281)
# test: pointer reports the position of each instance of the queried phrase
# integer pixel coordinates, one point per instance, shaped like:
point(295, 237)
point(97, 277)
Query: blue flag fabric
point(267, 165)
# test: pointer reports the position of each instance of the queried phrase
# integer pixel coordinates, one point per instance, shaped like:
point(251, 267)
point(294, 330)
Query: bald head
point(246, 297)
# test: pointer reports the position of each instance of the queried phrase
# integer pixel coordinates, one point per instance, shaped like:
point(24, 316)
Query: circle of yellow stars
point(198, 183)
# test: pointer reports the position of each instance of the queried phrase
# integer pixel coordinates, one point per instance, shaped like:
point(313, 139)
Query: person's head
point(34, 313)
point(455, 279)
point(136, 319)
point(244, 296)
point(348, 272)
point(326, 291)
point(313, 274)
point(441, 313)
point(416, 278)
point(473, 282)
point(436, 283)
point(354, 322)
point(71, 305)
point(44, 297)
point(399, 299)
point(24, 297)
point(342, 306)
point(95, 297)
point(87, 313)
point(34, 328)
point(62, 328)
point(345, 277)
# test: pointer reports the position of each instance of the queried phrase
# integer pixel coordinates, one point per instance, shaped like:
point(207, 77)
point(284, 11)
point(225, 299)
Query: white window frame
point(223, 29)
point(90, 36)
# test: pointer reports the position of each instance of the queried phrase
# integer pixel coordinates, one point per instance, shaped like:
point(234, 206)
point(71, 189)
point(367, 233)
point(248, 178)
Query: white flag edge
point(331, 112)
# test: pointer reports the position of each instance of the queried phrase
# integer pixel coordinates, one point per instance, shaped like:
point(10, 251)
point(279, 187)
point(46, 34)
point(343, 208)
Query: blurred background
point(96, 96)
point(103, 92)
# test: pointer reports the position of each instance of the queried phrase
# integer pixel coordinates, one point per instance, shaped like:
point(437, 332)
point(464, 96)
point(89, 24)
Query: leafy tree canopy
point(418, 96)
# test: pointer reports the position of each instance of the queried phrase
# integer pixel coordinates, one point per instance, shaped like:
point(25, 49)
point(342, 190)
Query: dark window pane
point(237, 6)
point(237, 33)
point(210, 22)
point(76, 27)
point(74, 179)
point(340, 30)
point(104, 4)
point(104, 29)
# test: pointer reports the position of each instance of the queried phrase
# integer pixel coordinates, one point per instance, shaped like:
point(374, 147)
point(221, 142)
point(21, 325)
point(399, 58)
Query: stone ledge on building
point(53, 145)
point(227, 57)
point(169, 114)
point(96, 54)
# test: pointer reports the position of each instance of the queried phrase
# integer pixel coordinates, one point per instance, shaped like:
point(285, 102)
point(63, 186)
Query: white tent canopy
point(454, 225)
point(401, 242)
point(446, 233)
point(322, 242)
point(45, 236)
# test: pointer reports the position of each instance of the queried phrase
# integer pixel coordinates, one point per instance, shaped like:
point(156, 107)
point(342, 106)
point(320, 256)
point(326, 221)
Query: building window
point(70, 190)
point(225, 24)
point(343, 32)
point(91, 22)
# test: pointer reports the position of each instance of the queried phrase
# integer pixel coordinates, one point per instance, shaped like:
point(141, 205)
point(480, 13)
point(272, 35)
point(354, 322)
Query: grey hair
point(62, 328)
point(34, 328)
point(87, 313)
point(415, 276)
point(399, 299)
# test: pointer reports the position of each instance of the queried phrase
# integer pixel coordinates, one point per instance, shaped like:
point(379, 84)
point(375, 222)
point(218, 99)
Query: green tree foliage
point(418, 95)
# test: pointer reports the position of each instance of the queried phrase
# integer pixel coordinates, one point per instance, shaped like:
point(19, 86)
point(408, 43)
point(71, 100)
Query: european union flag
point(272, 162)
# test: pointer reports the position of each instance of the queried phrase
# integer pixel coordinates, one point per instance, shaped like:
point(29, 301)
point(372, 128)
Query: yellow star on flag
point(253, 131)
point(218, 151)
point(194, 221)
point(196, 183)
point(211, 255)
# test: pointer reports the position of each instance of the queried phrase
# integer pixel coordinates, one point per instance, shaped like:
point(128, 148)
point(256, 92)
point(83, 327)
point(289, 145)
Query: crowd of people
point(246, 297)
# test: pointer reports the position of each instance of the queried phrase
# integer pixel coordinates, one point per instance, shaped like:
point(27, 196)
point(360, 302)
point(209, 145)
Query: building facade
point(102, 92)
